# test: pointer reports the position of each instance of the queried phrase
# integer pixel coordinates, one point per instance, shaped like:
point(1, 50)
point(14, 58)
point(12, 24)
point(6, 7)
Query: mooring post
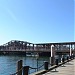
point(46, 65)
point(56, 62)
point(52, 61)
point(72, 56)
point(63, 59)
point(56, 59)
point(67, 58)
point(19, 67)
point(25, 70)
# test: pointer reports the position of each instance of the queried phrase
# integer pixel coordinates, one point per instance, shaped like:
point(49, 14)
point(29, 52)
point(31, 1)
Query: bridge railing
point(36, 50)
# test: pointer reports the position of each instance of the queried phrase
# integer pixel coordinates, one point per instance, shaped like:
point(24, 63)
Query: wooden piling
point(19, 67)
point(56, 61)
point(46, 65)
point(25, 70)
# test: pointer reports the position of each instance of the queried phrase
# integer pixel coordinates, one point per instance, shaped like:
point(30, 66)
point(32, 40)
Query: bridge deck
point(31, 50)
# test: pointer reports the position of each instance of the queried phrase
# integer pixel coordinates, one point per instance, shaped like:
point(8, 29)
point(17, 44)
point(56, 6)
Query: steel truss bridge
point(24, 46)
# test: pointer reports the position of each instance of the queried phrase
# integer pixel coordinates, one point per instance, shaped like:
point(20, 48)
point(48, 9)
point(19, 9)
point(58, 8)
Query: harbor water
point(8, 63)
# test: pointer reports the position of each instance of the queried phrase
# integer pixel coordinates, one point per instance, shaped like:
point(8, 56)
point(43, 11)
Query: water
point(8, 63)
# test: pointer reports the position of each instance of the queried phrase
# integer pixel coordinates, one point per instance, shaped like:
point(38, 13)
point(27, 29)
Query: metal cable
point(29, 67)
point(36, 68)
point(17, 72)
point(40, 66)
point(32, 68)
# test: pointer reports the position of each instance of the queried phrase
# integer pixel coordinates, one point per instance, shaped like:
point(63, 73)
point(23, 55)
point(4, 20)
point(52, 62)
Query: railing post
point(19, 66)
point(25, 70)
point(46, 65)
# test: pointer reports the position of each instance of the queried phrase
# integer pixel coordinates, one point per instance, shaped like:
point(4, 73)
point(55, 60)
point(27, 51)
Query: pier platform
point(66, 69)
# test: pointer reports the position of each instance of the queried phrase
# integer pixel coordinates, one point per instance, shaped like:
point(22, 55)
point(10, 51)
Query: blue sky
point(37, 21)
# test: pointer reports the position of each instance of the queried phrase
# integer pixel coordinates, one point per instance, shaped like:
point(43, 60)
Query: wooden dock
point(67, 69)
